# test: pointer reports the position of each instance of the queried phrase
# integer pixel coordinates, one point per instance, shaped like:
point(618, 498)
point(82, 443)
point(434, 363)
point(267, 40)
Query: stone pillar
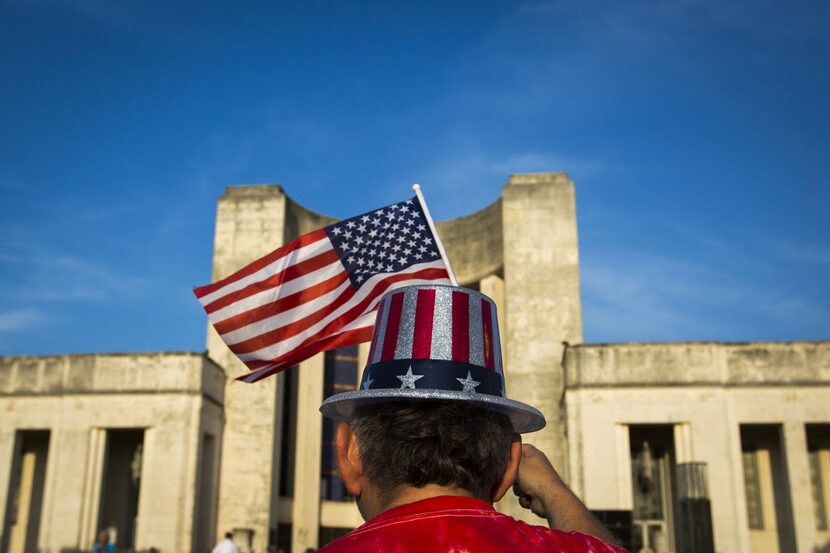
point(74, 475)
point(542, 302)
point(250, 222)
point(306, 507)
point(92, 482)
point(798, 473)
point(19, 538)
point(362, 359)
point(7, 446)
point(169, 477)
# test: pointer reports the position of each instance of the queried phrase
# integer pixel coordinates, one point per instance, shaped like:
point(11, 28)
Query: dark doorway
point(25, 500)
point(654, 488)
point(767, 489)
point(122, 482)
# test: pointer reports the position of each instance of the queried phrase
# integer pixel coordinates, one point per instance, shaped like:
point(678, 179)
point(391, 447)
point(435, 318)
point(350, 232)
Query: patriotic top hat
point(435, 342)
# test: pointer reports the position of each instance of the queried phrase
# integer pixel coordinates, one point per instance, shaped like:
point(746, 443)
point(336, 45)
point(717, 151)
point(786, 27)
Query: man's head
point(393, 446)
point(228, 535)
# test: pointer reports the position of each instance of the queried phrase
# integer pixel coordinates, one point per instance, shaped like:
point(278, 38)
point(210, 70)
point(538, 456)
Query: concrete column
point(18, 538)
point(542, 302)
point(734, 528)
point(92, 482)
point(250, 222)
point(798, 474)
point(362, 359)
point(625, 487)
point(683, 447)
point(168, 478)
point(6, 459)
point(73, 482)
point(306, 505)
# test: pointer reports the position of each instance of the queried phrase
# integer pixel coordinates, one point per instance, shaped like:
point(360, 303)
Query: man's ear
point(348, 459)
point(511, 471)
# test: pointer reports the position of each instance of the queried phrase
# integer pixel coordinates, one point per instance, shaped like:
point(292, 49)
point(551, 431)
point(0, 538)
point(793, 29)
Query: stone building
point(679, 446)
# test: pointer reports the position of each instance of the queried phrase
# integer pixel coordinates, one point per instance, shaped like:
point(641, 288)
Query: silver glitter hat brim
point(523, 417)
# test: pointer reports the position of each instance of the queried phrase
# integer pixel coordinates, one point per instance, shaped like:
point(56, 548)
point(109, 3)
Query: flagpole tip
point(416, 187)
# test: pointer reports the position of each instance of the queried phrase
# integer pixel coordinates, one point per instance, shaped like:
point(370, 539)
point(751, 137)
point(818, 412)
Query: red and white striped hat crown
point(436, 342)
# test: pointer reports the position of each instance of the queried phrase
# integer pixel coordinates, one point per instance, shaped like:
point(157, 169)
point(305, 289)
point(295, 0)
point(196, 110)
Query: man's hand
point(537, 482)
point(541, 490)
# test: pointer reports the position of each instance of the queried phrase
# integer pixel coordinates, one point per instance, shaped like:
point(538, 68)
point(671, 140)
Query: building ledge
point(803, 363)
point(114, 373)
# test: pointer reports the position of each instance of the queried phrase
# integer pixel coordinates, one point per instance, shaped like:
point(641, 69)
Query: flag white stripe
point(279, 348)
point(367, 320)
point(269, 295)
point(292, 258)
point(369, 314)
point(286, 317)
point(253, 375)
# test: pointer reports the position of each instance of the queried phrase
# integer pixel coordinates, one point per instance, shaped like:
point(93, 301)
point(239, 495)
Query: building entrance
point(122, 479)
point(23, 510)
point(653, 479)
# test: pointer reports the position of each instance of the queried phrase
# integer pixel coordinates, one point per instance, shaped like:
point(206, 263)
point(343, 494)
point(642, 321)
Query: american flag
point(320, 291)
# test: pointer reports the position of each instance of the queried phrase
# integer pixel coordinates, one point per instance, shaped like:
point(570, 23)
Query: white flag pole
point(417, 188)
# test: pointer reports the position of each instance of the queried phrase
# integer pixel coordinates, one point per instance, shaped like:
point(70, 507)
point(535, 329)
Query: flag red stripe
point(263, 262)
point(293, 328)
point(283, 304)
point(422, 333)
point(460, 327)
point(289, 273)
point(348, 338)
point(361, 307)
point(393, 325)
point(487, 330)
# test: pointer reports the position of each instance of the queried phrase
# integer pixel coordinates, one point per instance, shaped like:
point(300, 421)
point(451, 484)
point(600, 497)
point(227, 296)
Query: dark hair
point(228, 535)
point(449, 443)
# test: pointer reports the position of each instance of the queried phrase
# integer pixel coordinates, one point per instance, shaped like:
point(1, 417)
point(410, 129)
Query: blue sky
point(696, 133)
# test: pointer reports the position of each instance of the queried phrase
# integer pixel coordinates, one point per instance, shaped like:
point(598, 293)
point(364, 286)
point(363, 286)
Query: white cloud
point(44, 276)
point(632, 295)
point(19, 319)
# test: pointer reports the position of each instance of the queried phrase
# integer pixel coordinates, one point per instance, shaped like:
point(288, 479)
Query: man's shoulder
point(572, 541)
point(484, 531)
point(543, 538)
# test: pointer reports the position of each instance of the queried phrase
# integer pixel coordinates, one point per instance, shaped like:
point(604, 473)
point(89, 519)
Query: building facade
point(128, 442)
point(680, 447)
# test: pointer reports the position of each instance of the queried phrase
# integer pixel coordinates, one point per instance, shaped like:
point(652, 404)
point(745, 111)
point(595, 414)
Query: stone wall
point(250, 222)
point(521, 250)
point(691, 363)
point(474, 243)
point(706, 392)
point(173, 397)
point(542, 300)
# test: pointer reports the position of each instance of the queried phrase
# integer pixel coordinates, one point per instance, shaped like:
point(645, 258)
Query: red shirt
point(452, 524)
